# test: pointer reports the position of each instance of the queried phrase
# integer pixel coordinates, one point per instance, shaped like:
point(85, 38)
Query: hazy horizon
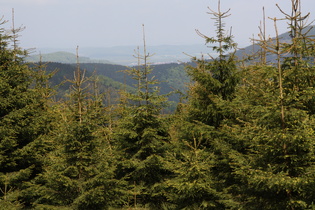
point(104, 23)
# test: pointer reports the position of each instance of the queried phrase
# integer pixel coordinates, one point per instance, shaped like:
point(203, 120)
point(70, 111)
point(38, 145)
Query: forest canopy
point(240, 137)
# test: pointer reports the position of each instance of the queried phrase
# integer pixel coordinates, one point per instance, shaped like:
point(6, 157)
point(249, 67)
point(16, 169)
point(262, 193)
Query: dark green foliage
point(79, 173)
point(203, 177)
point(244, 140)
point(277, 168)
point(277, 171)
point(142, 138)
point(214, 80)
point(277, 165)
point(24, 121)
point(198, 167)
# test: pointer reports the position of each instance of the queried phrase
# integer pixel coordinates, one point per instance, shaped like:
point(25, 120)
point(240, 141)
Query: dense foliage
point(242, 137)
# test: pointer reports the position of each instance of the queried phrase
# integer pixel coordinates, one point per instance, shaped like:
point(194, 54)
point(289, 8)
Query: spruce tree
point(203, 148)
point(24, 121)
point(142, 136)
point(79, 173)
point(214, 80)
point(277, 123)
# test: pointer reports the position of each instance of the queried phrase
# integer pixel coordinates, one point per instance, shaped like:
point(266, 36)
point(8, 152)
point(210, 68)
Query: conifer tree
point(79, 173)
point(214, 80)
point(201, 160)
point(142, 136)
point(277, 168)
point(24, 121)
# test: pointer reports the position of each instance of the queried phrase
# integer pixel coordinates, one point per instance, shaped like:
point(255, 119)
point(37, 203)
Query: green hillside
point(284, 38)
point(172, 76)
point(111, 78)
point(62, 57)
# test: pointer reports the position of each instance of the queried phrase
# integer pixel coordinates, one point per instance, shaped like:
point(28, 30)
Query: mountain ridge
point(284, 38)
point(123, 55)
point(63, 57)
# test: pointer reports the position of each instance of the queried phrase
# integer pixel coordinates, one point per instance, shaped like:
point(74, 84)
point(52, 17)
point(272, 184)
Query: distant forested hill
point(120, 54)
point(284, 38)
point(172, 76)
point(62, 57)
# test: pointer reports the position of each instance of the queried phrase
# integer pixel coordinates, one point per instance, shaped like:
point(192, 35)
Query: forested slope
point(173, 77)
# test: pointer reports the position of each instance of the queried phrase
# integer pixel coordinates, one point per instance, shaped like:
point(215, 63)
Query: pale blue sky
point(103, 23)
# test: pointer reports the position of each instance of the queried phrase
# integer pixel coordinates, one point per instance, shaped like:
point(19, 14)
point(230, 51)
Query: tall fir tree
point(214, 80)
point(201, 159)
point(277, 123)
point(142, 136)
point(79, 173)
point(24, 121)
